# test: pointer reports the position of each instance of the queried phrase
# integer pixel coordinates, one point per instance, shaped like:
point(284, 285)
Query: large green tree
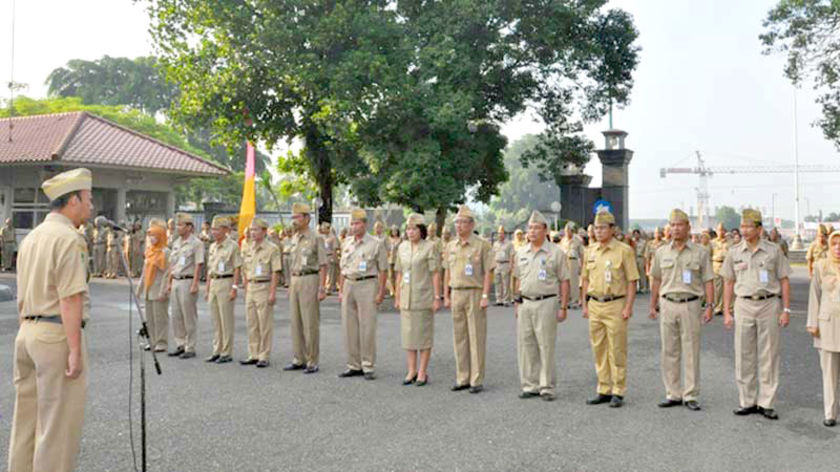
point(808, 32)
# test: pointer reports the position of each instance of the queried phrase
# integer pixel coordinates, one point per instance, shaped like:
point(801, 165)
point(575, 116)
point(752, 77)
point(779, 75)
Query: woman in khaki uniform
point(153, 288)
point(417, 269)
point(824, 324)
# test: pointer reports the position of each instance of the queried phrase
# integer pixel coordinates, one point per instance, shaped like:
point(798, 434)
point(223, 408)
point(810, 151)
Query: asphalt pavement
point(208, 417)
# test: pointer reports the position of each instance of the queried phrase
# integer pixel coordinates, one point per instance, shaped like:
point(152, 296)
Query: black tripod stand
point(143, 333)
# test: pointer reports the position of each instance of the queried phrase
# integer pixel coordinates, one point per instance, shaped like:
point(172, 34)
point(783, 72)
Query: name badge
point(259, 271)
point(363, 266)
point(686, 276)
point(608, 273)
point(303, 260)
point(221, 267)
point(406, 277)
point(542, 275)
point(763, 276)
point(468, 270)
point(182, 261)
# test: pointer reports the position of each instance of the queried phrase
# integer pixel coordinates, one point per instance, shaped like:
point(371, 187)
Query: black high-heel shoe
point(410, 380)
point(423, 382)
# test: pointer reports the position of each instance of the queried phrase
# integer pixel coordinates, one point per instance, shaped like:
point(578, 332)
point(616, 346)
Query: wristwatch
point(235, 287)
point(484, 295)
point(787, 310)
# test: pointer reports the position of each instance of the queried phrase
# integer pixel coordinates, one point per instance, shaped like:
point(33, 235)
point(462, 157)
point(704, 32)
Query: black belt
point(302, 273)
point(225, 276)
point(259, 281)
point(604, 299)
point(539, 297)
point(681, 300)
point(759, 297)
point(185, 277)
point(502, 262)
point(363, 278)
point(49, 319)
point(465, 288)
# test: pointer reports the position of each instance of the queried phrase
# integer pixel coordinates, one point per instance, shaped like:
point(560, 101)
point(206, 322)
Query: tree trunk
point(319, 160)
point(440, 220)
point(325, 189)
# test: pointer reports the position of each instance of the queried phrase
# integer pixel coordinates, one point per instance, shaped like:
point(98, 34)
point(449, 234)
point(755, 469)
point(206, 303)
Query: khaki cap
point(183, 218)
point(822, 229)
point(359, 214)
point(259, 223)
point(325, 225)
point(570, 226)
point(157, 222)
point(518, 231)
point(677, 215)
point(465, 212)
point(751, 216)
point(415, 219)
point(300, 209)
point(66, 182)
point(604, 218)
point(502, 229)
point(537, 217)
point(221, 222)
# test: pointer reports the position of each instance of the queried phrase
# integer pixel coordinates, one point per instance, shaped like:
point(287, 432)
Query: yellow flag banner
point(248, 208)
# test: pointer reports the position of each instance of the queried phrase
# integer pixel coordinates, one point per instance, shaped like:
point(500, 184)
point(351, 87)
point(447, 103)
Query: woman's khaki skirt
point(418, 329)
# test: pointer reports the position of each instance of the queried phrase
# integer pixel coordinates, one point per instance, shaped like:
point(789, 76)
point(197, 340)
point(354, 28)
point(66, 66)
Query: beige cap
point(751, 216)
point(678, 215)
point(157, 222)
point(183, 218)
point(220, 221)
point(358, 214)
point(501, 229)
point(259, 223)
point(300, 209)
point(66, 182)
point(325, 226)
point(519, 231)
point(465, 212)
point(604, 218)
point(822, 229)
point(415, 219)
point(537, 217)
point(570, 226)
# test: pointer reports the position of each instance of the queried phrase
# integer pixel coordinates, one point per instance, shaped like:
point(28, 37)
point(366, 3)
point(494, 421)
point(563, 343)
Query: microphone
point(101, 220)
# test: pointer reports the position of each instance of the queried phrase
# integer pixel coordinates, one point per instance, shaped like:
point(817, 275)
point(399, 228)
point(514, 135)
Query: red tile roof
point(80, 138)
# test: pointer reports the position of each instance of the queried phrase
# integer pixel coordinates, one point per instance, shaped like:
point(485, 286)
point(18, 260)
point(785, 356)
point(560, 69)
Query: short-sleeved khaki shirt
point(52, 264)
point(824, 305)
point(468, 261)
point(816, 251)
point(186, 253)
point(503, 252)
point(682, 272)
point(540, 271)
point(608, 269)
point(720, 246)
point(572, 247)
point(363, 257)
point(416, 265)
point(756, 273)
point(223, 258)
point(260, 260)
point(307, 254)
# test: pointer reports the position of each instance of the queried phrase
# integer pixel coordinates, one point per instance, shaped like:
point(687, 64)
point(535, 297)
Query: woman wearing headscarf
point(417, 296)
point(153, 287)
point(824, 324)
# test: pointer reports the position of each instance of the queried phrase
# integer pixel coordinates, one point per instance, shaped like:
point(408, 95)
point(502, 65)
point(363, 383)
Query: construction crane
point(705, 172)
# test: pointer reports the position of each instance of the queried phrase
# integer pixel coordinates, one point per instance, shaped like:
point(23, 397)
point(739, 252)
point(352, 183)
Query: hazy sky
point(702, 84)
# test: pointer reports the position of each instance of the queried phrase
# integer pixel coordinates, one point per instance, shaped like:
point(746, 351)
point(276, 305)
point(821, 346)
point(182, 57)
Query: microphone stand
point(144, 334)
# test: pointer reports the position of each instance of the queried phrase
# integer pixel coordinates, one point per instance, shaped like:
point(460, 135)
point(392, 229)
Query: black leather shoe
point(768, 413)
point(187, 355)
point(692, 405)
point(668, 403)
point(147, 347)
point(477, 389)
point(262, 364)
point(547, 397)
point(745, 410)
point(213, 358)
point(527, 395)
point(177, 352)
point(370, 376)
point(410, 380)
point(830, 423)
point(617, 401)
point(456, 387)
point(351, 373)
point(248, 362)
point(599, 399)
point(223, 359)
point(294, 366)
point(311, 370)
point(422, 383)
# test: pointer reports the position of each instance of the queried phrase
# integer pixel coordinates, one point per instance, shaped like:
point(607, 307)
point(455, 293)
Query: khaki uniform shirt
point(7, 234)
point(503, 252)
point(682, 272)
point(157, 291)
point(719, 249)
point(609, 269)
point(52, 264)
point(307, 253)
point(540, 271)
point(572, 247)
point(330, 246)
point(223, 258)
point(756, 273)
point(824, 305)
point(417, 264)
point(365, 257)
point(468, 261)
point(816, 251)
point(392, 250)
point(186, 253)
point(260, 260)
point(651, 247)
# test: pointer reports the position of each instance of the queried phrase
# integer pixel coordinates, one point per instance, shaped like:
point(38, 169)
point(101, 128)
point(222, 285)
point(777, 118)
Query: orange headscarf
point(155, 258)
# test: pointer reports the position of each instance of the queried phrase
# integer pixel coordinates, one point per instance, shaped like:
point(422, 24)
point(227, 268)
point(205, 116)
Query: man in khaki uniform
point(331, 250)
point(206, 239)
point(682, 275)
point(818, 248)
point(541, 274)
point(100, 242)
point(503, 253)
point(609, 282)
point(171, 232)
point(50, 374)
point(286, 250)
point(136, 248)
point(720, 246)
point(756, 273)
point(262, 262)
point(640, 246)
point(364, 270)
point(8, 242)
point(114, 263)
point(469, 268)
point(308, 270)
point(187, 257)
point(572, 245)
point(223, 271)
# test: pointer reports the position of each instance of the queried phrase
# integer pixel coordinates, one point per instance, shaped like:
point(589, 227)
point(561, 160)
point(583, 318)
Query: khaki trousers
point(757, 348)
point(259, 316)
point(574, 281)
point(114, 262)
point(49, 406)
point(643, 281)
point(358, 314)
point(221, 312)
point(157, 322)
point(537, 334)
point(8, 255)
point(332, 276)
point(830, 363)
point(680, 327)
point(287, 273)
point(184, 314)
point(305, 314)
point(608, 336)
point(718, 282)
point(99, 252)
point(501, 278)
point(469, 335)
